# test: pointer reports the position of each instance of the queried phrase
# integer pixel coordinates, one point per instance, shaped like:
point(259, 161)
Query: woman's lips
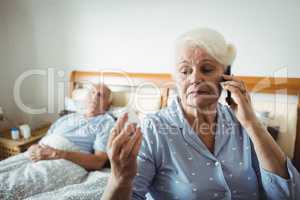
point(203, 92)
point(200, 92)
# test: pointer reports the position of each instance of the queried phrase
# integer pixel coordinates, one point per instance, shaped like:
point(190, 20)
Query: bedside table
point(10, 147)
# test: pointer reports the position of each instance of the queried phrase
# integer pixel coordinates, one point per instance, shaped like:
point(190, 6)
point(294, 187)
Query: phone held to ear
point(228, 96)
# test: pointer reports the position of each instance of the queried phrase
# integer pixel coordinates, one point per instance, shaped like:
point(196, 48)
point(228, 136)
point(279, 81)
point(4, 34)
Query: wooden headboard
point(165, 83)
point(161, 81)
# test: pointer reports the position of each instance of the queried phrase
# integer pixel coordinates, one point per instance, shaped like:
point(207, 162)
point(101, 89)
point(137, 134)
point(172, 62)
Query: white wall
point(136, 36)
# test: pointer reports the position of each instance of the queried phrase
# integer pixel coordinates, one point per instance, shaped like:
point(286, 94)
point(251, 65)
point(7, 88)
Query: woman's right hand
point(123, 147)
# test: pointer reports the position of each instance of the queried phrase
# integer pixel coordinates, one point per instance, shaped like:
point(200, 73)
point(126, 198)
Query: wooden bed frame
point(164, 81)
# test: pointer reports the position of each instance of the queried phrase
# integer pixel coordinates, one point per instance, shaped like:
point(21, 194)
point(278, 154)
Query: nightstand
point(10, 147)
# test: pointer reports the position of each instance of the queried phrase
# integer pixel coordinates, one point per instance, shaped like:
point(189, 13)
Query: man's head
point(99, 100)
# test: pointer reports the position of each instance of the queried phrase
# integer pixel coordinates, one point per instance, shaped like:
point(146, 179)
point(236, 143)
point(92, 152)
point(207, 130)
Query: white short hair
point(210, 41)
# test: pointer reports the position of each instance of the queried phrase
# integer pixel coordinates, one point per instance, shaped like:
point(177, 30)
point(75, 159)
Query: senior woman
point(197, 148)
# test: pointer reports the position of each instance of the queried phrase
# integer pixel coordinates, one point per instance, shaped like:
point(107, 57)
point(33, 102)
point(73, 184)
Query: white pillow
point(81, 93)
point(70, 104)
point(133, 116)
point(78, 106)
point(78, 102)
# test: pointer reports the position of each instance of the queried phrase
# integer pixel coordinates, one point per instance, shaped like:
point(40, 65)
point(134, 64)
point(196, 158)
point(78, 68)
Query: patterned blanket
point(20, 178)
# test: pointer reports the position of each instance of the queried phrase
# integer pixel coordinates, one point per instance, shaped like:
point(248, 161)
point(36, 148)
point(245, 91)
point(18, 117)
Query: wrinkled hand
point(123, 147)
point(241, 104)
point(42, 152)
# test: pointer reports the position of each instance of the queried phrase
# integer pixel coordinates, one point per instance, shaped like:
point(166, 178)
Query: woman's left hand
point(241, 104)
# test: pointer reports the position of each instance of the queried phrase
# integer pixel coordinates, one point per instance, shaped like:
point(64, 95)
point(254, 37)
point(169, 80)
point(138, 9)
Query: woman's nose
point(196, 77)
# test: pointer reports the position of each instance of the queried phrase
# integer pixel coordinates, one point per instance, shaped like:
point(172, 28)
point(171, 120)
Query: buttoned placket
point(191, 139)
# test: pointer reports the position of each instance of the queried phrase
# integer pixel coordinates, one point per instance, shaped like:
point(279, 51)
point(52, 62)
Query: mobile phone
point(228, 97)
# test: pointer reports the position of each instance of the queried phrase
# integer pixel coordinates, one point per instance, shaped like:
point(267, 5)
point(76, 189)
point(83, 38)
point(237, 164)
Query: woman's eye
point(186, 71)
point(207, 69)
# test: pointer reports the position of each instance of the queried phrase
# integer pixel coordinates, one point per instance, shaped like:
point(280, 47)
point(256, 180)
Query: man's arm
point(89, 161)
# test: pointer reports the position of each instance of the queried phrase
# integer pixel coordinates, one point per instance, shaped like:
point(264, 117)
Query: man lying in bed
point(75, 144)
point(87, 133)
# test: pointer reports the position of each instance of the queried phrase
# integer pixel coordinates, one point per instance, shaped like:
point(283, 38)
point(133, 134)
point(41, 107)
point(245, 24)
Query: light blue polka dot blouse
point(174, 163)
